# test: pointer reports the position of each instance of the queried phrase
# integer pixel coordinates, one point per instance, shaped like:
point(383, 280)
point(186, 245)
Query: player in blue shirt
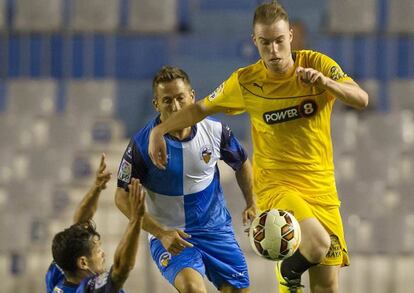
point(79, 261)
point(187, 198)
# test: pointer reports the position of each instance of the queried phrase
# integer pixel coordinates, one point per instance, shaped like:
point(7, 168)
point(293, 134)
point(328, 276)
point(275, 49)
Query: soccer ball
point(275, 234)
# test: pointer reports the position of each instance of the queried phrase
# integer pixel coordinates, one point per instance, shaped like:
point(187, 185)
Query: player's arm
point(186, 117)
point(125, 254)
point(348, 92)
point(89, 204)
point(245, 181)
point(173, 240)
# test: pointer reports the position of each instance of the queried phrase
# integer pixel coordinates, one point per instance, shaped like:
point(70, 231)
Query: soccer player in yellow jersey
point(289, 97)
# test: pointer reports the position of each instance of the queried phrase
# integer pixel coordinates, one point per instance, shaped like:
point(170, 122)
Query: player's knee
point(193, 287)
point(317, 247)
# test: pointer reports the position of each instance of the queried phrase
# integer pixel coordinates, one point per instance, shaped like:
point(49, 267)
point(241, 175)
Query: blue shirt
point(56, 283)
point(187, 195)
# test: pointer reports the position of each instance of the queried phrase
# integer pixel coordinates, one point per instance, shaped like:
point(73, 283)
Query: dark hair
point(268, 13)
point(169, 73)
point(72, 243)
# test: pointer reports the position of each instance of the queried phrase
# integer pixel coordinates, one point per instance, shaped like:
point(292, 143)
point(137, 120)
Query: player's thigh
point(324, 279)
point(189, 280)
point(227, 288)
point(315, 238)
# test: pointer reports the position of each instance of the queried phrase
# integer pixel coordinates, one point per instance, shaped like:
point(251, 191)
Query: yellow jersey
point(290, 125)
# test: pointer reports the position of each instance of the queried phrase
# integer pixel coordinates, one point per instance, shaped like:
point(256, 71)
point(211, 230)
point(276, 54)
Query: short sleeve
point(227, 96)
point(54, 276)
point(329, 67)
point(132, 166)
point(231, 150)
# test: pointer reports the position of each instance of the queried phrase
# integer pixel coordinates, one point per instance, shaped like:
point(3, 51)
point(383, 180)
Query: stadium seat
point(401, 94)
point(38, 16)
point(344, 132)
point(88, 99)
point(400, 16)
point(31, 97)
point(152, 16)
point(2, 14)
point(352, 16)
point(94, 15)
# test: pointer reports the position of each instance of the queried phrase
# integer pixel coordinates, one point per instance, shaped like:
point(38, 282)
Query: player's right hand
point(136, 199)
point(174, 242)
point(157, 149)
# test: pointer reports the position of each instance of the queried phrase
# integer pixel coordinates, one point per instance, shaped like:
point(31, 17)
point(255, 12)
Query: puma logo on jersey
point(304, 110)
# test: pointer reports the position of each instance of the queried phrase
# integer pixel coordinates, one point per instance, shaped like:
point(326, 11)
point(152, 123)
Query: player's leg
point(189, 280)
point(324, 279)
point(224, 261)
point(184, 271)
point(227, 288)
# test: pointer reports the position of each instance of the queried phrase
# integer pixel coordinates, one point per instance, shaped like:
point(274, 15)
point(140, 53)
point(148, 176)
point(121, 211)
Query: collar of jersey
point(170, 137)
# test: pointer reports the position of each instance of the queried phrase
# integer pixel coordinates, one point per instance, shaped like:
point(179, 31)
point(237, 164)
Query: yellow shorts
point(290, 199)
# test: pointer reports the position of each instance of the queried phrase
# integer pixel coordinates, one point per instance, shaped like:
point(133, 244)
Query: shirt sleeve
point(132, 166)
point(53, 277)
point(231, 150)
point(227, 96)
point(102, 283)
point(329, 67)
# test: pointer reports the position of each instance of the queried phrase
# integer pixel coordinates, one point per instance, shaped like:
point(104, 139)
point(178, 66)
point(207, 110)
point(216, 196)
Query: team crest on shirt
point(206, 152)
point(125, 171)
point(164, 259)
point(216, 92)
point(336, 73)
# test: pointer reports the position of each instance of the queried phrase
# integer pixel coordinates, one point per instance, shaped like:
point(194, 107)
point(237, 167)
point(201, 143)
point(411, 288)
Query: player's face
point(96, 262)
point(274, 44)
point(172, 96)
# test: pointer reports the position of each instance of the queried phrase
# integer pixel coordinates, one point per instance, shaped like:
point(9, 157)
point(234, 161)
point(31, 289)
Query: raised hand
point(136, 199)
point(102, 175)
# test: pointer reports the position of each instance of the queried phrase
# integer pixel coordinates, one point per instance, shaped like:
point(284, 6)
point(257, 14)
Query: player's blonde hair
point(268, 13)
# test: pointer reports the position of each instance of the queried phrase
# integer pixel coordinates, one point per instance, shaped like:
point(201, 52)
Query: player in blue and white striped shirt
point(186, 198)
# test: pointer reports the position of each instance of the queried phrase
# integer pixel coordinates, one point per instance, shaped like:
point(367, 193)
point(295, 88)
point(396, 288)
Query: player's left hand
point(311, 77)
point(102, 175)
point(249, 214)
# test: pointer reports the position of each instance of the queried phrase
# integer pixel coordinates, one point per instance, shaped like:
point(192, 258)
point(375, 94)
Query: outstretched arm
point(348, 92)
point(245, 181)
point(125, 254)
point(173, 240)
point(87, 207)
point(186, 117)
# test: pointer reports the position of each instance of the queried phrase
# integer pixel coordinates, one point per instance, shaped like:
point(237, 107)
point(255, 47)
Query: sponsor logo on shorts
point(239, 274)
point(164, 259)
point(216, 92)
point(206, 152)
point(306, 109)
point(335, 251)
point(125, 171)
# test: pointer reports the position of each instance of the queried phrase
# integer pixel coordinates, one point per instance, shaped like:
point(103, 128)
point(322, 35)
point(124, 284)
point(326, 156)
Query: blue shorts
point(218, 256)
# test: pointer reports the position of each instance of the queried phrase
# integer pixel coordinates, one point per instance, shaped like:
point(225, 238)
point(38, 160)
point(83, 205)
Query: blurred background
point(75, 81)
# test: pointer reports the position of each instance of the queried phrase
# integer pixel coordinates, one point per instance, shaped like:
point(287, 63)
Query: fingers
point(157, 150)
point(308, 76)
